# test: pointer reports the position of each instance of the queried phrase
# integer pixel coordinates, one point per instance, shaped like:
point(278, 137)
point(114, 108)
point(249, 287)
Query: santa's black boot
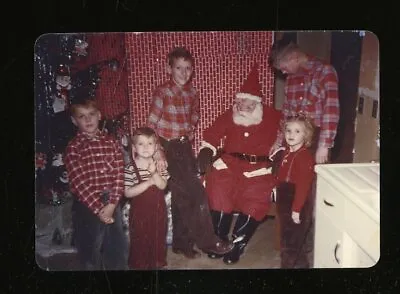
point(222, 223)
point(244, 229)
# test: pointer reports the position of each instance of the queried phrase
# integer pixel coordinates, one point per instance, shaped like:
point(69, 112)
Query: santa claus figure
point(240, 180)
point(63, 86)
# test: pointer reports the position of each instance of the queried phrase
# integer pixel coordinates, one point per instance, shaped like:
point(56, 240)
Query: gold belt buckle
point(253, 159)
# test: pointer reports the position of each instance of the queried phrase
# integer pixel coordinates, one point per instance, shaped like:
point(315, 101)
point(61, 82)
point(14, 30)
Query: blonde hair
point(308, 124)
point(144, 131)
point(281, 50)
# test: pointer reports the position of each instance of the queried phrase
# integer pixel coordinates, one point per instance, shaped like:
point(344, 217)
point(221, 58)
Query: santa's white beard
point(246, 119)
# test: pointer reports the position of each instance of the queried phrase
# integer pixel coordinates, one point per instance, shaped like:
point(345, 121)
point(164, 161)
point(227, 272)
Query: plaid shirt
point(95, 165)
point(174, 111)
point(314, 91)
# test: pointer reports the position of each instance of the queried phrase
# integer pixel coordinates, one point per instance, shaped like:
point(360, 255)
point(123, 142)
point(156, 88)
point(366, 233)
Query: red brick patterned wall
point(112, 91)
point(222, 62)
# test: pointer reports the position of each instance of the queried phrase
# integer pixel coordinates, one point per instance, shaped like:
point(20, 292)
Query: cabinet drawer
point(330, 201)
point(328, 243)
point(362, 229)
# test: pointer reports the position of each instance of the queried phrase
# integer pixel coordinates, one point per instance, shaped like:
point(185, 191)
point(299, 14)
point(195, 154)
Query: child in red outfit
point(295, 175)
point(145, 185)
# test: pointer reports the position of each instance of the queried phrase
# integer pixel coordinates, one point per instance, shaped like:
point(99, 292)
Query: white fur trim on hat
point(248, 96)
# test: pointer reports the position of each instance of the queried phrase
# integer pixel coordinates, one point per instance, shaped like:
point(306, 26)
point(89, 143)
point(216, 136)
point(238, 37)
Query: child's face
point(144, 146)
point(181, 71)
point(295, 134)
point(87, 119)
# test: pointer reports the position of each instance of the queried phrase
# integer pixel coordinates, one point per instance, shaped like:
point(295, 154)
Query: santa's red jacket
point(235, 184)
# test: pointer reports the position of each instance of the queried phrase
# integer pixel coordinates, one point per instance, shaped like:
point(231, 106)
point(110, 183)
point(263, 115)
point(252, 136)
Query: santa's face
point(245, 105)
point(87, 119)
point(247, 112)
point(181, 71)
point(295, 134)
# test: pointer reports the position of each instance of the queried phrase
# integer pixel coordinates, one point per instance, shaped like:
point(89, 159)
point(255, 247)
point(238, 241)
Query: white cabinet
point(347, 221)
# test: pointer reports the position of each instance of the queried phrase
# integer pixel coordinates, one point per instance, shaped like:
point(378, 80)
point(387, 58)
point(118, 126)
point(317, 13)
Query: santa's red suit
point(240, 180)
point(236, 184)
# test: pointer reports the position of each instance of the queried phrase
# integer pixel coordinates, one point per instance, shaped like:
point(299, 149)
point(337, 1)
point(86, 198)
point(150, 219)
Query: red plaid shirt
point(314, 91)
point(174, 111)
point(95, 165)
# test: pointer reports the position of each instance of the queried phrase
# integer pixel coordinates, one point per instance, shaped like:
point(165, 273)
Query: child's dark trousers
point(294, 236)
point(100, 246)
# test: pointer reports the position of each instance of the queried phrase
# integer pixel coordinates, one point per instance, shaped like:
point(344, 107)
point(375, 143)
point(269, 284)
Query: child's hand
point(321, 156)
point(152, 167)
point(296, 217)
point(273, 149)
point(161, 165)
point(105, 219)
point(161, 161)
point(106, 213)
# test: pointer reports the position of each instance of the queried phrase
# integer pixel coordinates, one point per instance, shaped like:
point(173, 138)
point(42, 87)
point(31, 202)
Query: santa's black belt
point(252, 158)
point(181, 139)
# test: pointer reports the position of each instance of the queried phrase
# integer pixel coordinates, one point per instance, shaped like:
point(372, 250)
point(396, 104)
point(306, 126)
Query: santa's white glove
point(296, 217)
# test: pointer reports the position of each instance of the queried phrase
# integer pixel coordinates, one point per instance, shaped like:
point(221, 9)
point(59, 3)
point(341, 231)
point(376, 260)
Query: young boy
point(174, 114)
point(144, 186)
point(95, 168)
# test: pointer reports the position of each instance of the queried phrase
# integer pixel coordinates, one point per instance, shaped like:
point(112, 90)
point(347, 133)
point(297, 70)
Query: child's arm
point(303, 178)
point(159, 157)
point(138, 189)
point(158, 180)
point(117, 191)
point(156, 110)
point(195, 111)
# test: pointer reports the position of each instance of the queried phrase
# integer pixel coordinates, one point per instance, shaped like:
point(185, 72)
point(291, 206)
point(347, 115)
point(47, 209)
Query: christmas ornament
point(57, 160)
point(40, 160)
point(80, 47)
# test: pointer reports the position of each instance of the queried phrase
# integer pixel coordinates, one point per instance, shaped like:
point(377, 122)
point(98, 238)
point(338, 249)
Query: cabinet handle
point(327, 203)
point(336, 249)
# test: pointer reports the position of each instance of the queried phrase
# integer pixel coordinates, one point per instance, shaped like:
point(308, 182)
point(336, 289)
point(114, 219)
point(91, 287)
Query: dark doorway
point(346, 58)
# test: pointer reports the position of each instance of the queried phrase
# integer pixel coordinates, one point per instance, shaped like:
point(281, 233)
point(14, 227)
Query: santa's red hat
point(251, 88)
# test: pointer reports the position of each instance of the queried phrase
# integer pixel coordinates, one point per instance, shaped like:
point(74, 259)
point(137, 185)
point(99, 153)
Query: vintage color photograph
point(207, 150)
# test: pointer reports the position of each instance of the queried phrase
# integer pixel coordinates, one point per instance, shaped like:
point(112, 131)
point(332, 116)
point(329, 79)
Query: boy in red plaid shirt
point(95, 166)
point(311, 87)
point(174, 114)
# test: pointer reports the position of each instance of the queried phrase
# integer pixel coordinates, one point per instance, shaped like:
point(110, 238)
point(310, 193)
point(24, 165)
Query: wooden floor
point(259, 254)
